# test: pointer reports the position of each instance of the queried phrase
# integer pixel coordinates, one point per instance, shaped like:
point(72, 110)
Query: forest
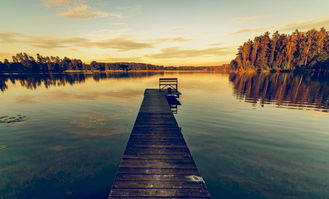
point(285, 52)
point(24, 63)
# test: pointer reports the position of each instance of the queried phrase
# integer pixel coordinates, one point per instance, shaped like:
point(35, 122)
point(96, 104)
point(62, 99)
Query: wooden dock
point(157, 162)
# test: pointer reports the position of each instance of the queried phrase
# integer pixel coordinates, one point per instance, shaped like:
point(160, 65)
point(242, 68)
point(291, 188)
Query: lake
point(251, 135)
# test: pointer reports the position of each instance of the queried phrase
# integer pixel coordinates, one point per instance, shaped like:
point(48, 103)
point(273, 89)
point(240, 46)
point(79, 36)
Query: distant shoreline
point(110, 71)
point(170, 70)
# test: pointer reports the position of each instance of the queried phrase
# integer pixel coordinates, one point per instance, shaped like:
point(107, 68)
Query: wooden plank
point(174, 171)
point(157, 162)
point(158, 185)
point(201, 193)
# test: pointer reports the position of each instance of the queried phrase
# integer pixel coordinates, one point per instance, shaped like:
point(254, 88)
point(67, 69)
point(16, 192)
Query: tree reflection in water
point(289, 90)
point(33, 81)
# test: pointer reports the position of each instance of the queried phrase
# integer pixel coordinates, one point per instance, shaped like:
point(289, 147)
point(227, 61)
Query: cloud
point(313, 23)
point(244, 20)
point(173, 39)
point(252, 29)
point(216, 44)
point(176, 52)
point(122, 59)
point(85, 12)
point(57, 3)
point(6, 36)
point(121, 44)
point(302, 25)
point(77, 9)
point(53, 42)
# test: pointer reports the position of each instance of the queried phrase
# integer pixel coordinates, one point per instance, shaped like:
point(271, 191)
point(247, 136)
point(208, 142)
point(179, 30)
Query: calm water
point(251, 135)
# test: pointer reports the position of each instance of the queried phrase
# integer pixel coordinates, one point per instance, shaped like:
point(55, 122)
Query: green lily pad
point(12, 119)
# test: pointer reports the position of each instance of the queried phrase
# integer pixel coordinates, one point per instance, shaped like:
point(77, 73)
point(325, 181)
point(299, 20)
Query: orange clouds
point(6, 36)
point(314, 23)
point(176, 52)
point(77, 9)
point(84, 12)
point(120, 44)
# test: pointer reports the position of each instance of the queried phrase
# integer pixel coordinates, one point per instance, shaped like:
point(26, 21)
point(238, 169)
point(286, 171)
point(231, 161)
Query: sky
point(171, 32)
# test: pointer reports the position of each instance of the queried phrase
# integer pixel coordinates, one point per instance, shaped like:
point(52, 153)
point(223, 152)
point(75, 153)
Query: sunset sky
point(171, 32)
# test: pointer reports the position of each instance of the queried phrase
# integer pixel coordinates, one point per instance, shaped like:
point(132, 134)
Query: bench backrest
point(165, 83)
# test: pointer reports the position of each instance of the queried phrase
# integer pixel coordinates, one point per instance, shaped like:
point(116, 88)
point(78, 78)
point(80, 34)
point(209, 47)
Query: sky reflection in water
point(76, 127)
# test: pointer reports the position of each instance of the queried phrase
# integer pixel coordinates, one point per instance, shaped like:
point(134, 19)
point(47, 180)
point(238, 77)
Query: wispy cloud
point(77, 9)
point(53, 42)
point(216, 44)
point(173, 39)
point(244, 20)
point(176, 52)
point(118, 43)
point(122, 44)
point(58, 3)
point(302, 25)
point(6, 36)
point(84, 12)
point(121, 59)
point(251, 29)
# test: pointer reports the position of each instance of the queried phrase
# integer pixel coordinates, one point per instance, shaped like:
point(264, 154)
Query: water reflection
point(297, 91)
point(74, 136)
point(33, 81)
point(98, 124)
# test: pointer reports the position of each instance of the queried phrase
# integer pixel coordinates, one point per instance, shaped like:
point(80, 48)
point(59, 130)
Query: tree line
point(299, 50)
point(24, 63)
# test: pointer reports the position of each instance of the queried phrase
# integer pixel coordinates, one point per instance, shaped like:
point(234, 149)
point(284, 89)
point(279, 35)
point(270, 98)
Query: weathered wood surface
point(157, 162)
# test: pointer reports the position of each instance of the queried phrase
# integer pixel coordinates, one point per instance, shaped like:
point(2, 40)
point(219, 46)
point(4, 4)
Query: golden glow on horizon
point(162, 33)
